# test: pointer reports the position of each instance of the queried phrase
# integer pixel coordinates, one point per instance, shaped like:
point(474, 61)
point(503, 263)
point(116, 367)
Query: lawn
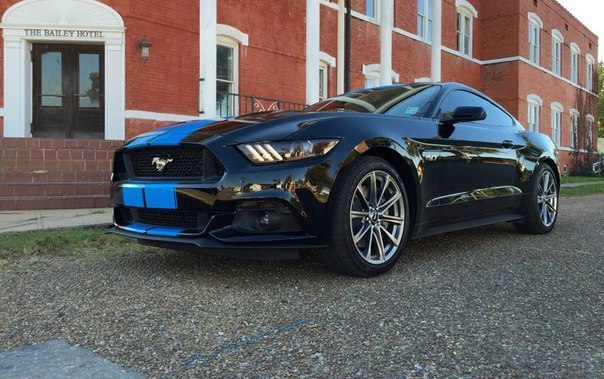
point(581, 179)
point(588, 189)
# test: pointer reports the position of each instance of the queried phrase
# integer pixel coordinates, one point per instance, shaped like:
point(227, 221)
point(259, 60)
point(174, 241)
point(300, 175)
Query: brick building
point(80, 76)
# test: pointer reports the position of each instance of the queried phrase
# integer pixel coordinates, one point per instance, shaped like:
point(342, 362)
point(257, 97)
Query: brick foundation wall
point(40, 173)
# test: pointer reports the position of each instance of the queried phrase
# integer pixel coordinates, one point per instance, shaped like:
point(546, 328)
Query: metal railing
point(235, 104)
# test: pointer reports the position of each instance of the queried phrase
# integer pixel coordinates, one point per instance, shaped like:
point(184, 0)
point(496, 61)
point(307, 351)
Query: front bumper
point(193, 214)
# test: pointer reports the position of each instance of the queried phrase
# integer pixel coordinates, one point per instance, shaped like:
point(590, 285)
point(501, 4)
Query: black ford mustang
point(355, 176)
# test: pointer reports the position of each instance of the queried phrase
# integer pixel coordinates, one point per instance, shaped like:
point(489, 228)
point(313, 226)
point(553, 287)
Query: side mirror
point(460, 114)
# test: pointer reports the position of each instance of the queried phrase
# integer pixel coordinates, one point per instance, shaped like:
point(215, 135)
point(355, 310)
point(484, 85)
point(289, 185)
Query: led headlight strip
point(285, 151)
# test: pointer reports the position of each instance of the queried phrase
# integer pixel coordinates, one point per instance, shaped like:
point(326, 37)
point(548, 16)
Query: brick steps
point(37, 173)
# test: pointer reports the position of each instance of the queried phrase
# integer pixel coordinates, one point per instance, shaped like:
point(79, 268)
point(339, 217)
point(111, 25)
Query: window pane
point(89, 81)
point(420, 7)
point(52, 79)
point(224, 63)
point(370, 8)
point(224, 101)
point(420, 26)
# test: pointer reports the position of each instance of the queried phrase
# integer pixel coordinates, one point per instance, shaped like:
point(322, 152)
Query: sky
point(590, 13)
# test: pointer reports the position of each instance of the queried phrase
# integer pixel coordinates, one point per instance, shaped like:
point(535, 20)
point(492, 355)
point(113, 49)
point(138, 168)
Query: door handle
point(508, 144)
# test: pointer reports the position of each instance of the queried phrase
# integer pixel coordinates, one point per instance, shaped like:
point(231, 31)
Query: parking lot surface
point(484, 302)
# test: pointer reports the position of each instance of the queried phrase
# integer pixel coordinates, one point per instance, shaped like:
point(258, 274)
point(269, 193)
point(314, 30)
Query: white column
point(207, 58)
point(387, 24)
point(341, 45)
point(436, 59)
point(312, 51)
point(17, 98)
point(115, 89)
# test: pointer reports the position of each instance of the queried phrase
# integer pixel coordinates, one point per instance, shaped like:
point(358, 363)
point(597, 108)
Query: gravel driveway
point(485, 302)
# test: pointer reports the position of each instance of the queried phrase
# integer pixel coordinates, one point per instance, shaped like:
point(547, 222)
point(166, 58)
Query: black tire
point(344, 255)
point(535, 221)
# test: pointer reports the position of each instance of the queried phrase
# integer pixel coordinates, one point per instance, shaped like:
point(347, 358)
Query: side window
point(416, 104)
point(495, 116)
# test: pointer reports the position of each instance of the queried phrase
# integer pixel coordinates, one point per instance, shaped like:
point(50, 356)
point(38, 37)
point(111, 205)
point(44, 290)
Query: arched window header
point(557, 35)
point(575, 48)
point(375, 70)
point(590, 59)
point(535, 99)
point(535, 19)
point(464, 4)
point(232, 33)
point(590, 118)
point(557, 106)
point(574, 112)
point(327, 59)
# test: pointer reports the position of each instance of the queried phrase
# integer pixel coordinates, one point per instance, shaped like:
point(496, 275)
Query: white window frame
point(557, 42)
point(324, 81)
point(557, 111)
point(374, 72)
point(424, 30)
point(575, 52)
point(573, 127)
point(534, 112)
point(376, 10)
point(589, 124)
point(534, 38)
point(231, 43)
point(465, 13)
point(589, 72)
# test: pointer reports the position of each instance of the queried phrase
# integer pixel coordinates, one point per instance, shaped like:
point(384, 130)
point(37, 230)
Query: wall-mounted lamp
point(143, 46)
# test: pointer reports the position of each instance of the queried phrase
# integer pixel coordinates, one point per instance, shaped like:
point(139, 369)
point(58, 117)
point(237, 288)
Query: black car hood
point(250, 128)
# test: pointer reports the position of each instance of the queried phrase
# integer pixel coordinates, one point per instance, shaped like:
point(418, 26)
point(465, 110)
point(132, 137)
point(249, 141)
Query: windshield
point(403, 100)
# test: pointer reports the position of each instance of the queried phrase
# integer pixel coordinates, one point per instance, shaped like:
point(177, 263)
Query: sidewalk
point(17, 221)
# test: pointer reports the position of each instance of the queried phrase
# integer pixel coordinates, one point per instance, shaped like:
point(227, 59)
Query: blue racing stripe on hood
point(176, 135)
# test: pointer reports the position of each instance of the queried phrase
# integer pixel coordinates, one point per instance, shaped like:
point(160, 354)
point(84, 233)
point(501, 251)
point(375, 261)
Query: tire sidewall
point(341, 231)
point(535, 215)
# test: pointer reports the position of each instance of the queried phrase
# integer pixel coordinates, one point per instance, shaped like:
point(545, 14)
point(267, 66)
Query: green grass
point(588, 189)
point(581, 179)
point(84, 243)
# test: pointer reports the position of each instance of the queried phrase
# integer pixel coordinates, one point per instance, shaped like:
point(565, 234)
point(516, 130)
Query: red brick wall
point(55, 173)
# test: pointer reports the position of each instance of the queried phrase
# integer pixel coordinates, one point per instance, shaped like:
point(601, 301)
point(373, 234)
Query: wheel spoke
point(384, 188)
point(364, 229)
point(396, 197)
point(369, 245)
point(393, 219)
point(389, 235)
point(373, 189)
point(359, 214)
point(362, 197)
point(380, 243)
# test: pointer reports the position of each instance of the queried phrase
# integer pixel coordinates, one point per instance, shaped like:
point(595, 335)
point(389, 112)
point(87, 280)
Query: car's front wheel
point(370, 219)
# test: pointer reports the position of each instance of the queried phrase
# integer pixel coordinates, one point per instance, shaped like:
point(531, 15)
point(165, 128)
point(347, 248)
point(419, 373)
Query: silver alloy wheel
point(377, 217)
point(547, 199)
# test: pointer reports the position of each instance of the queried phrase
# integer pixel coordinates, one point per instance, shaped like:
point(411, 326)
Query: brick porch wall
point(38, 173)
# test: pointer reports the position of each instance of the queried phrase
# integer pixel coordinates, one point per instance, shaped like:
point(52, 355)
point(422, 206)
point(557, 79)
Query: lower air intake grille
point(182, 219)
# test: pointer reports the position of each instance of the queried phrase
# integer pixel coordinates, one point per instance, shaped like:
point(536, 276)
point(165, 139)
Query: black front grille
point(174, 162)
point(182, 219)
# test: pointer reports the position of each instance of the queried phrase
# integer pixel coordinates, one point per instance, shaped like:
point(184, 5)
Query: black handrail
point(235, 104)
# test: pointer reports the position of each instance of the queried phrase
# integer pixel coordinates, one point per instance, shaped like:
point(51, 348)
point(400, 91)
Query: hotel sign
point(64, 33)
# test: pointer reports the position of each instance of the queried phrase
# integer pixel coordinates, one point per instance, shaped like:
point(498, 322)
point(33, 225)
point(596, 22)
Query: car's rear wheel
point(370, 214)
point(542, 209)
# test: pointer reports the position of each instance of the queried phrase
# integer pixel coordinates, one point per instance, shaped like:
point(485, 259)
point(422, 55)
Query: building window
point(373, 73)
point(589, 124)
point(371, 8)
point(590, 72)
point(226, 77)
point(557, 110)
point(424, 19)
point(323, 80)
point(464, 32)
point(574, 63)
point(535, 26)
point(574, 126)
point(557, 41)
point(534, 112)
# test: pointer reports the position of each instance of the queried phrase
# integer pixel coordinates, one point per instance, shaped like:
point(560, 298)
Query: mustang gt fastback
point(353, 177)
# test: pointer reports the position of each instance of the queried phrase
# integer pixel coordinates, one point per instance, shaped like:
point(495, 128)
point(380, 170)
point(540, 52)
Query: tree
point(600, 119)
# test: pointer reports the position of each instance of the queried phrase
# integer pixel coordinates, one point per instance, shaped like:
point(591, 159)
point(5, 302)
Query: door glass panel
point(89, 80)
point(52, 79)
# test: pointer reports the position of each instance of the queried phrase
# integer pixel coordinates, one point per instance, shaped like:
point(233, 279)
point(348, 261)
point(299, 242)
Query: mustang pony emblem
point(160, 163)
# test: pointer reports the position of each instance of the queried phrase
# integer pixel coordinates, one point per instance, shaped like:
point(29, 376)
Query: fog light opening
point(263, 220)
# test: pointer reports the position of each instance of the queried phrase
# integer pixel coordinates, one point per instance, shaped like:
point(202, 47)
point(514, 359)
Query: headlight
point(286, 151)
